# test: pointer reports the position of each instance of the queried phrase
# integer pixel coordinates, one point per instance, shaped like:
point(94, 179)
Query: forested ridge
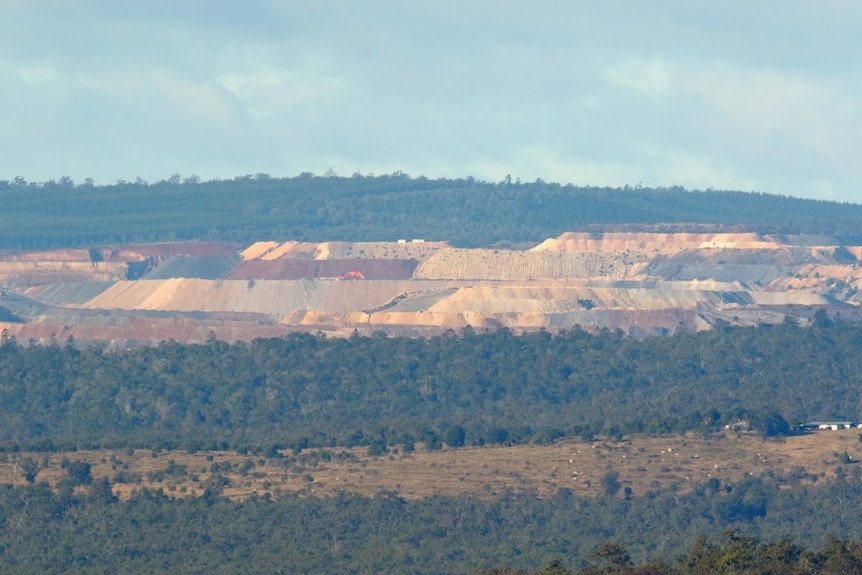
point(459, 388)
point(465, 212)
point(756, 528)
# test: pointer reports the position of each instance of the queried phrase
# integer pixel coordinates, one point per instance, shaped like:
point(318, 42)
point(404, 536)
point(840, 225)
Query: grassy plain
point(642, 463)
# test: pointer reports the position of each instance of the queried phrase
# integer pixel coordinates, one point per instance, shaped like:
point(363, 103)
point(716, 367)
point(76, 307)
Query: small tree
point(770, 424)
point(455, 436)
point(555, 566)
point(79, 472)
point(30, 469)
point(611, 483)
point(613, 557)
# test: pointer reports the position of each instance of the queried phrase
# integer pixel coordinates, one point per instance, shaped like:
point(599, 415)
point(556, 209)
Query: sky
point(750, 95)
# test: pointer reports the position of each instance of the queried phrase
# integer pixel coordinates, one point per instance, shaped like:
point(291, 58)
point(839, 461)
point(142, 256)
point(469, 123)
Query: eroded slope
point(643, 283)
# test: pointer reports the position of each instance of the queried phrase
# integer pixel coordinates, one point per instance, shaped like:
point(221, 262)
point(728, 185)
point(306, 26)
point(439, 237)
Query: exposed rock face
point(642, 283)
point(405, 250)
point(293, 269)
point(654, 242)
point(24, 272)
point(513, 265)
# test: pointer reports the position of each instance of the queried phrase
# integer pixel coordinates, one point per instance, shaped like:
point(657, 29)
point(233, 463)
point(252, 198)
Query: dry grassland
point(643, 463)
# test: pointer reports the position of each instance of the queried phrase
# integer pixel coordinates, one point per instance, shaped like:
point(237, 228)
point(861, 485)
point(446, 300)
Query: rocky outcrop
point(292, 269)
point(655, 242)
point(645, 283)
point(24, 273)
point(402, 250)
point(518, 265)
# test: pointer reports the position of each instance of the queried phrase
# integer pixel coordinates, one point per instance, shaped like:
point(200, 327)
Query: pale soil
point(660, 242)
point(257, 250)
point(642, 283)
point(269, 251)
point(643, 464)
point(484, 264)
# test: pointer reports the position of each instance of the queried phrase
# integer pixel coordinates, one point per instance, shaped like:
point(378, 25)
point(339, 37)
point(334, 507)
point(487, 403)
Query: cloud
point(771, 105)
point(28, 74)
point(650, 77)
point(794, 129)
point(270, 87)
point(727, 95)
point(192, 100)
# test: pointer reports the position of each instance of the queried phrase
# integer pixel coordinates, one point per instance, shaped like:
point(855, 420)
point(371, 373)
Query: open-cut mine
point(643, 283)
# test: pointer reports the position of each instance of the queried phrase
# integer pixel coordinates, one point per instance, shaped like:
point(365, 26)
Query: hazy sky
point(762, 95)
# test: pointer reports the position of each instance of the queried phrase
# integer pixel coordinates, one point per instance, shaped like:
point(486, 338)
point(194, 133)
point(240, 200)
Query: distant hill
point(464, 212)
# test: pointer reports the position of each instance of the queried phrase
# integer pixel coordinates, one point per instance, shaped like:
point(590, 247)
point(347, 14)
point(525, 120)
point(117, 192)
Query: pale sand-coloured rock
point(641, 282)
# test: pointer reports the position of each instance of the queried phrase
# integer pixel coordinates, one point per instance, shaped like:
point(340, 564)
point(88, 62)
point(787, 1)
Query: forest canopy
point(466, 212)
point(758, 528)
point(459, 388)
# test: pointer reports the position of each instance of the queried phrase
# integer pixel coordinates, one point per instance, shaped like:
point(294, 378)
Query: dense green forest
point(474, 388)
point(466, 212)
point(755, 528)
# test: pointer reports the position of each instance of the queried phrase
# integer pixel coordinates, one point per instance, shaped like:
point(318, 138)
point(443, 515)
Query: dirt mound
point(546, 297)
point(67, 292)
point(191, 249)
point(659, 242)
point(643, 283)
point(301, 250)
point(202, 267)
point(637, 324)
point(272, 297)
point(100, 264)
point(512, 265)
point(257, 250)
point(79, 255)
point(830, 282)
point(35, 272)
point(415, 250)
point(131, 331)
point(309, 269)
point(412, 250)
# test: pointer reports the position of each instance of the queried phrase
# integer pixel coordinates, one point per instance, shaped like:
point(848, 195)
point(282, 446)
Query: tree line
point(466, 211)
point(465, 388)
point(760, 526)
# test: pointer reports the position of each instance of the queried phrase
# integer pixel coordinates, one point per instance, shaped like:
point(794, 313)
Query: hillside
point(308, 208)
point(641, 463)
point(642, 282)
